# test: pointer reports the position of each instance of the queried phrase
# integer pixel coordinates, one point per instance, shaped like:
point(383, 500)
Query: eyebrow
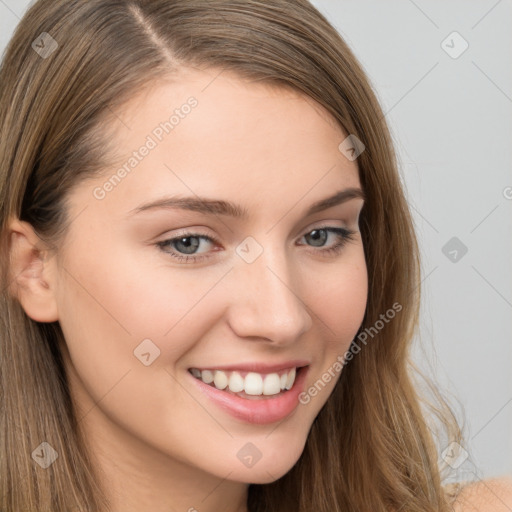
point(221, 207)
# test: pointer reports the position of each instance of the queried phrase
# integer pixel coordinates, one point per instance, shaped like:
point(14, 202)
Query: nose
point(265, 302)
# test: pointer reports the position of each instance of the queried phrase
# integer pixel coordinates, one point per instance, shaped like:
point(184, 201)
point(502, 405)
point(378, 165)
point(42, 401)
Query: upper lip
point(257, 367)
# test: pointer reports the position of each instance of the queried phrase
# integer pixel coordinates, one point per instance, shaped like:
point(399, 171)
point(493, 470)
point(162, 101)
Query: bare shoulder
point(491, 495)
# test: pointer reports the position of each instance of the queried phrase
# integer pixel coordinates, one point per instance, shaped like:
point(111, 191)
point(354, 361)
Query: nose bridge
point(266, 301)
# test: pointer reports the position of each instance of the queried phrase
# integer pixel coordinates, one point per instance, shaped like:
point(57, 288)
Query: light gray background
point(451, 122)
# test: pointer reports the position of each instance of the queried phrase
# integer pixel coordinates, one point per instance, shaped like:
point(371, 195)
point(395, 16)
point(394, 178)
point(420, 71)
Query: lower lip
point(259, 411)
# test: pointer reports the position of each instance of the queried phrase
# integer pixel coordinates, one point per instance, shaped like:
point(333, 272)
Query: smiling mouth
point(251, 385)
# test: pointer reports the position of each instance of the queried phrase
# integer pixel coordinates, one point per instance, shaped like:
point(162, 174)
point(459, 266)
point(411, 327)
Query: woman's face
point(255, 285)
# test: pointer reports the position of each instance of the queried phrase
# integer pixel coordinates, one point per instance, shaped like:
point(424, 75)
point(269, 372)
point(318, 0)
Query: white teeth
point(291, 379)
point(253, 383)
point(236, 382)
point(271, 384)
point(207, 376)
point(284, 378)
point(220, 379)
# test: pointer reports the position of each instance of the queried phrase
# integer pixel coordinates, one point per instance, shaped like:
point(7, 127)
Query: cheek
point(111, 302)
point(344, 298)
point(340, 302)
point(107, 308)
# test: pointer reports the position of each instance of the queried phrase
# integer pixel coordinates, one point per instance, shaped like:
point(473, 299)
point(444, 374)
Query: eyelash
point(346, 235)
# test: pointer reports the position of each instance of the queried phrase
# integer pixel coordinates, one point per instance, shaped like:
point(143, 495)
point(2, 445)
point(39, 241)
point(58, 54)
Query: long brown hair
point(68, 67)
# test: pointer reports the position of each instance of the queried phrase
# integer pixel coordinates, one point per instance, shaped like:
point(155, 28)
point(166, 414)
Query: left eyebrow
point(339, 198)
point(221, 207)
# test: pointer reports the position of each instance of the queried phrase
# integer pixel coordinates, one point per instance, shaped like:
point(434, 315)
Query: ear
point(32, 272)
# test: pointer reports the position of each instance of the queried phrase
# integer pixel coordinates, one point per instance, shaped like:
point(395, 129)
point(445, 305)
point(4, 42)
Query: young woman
point(210, 275)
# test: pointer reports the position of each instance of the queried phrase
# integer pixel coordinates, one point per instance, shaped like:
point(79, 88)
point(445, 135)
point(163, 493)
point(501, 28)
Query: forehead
point(227, 108)
point(212, 133)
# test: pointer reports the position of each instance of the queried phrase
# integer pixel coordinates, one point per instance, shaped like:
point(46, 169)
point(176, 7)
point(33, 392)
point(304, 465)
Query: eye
point(184, 247)
point(319, 236)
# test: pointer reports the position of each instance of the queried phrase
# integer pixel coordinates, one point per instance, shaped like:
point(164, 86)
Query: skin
point(158, 442)
point(491, 495)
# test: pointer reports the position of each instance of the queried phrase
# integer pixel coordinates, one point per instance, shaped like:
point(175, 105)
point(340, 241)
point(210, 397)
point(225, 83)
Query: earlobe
point(32, 275)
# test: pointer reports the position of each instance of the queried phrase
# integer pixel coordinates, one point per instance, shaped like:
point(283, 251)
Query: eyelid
point(201, 232)
point(345, 235)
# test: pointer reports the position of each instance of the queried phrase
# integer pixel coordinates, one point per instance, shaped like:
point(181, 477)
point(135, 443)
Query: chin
point(269, 469)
